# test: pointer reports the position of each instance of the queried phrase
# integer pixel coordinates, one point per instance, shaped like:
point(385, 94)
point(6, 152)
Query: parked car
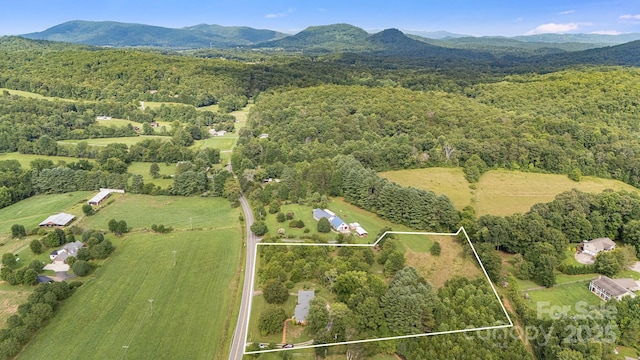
point(287, 346)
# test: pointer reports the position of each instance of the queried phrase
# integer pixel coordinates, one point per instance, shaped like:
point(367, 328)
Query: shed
point(103, 195)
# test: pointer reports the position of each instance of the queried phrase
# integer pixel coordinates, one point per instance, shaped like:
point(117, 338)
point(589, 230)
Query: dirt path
point(284, 331)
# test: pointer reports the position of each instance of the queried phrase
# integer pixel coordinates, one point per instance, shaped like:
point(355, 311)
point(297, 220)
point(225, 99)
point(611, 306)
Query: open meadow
point(143, 304)
point(499, 192)
point(129, 140)
point(503, 192)
point(451, 262)
point(447, 181)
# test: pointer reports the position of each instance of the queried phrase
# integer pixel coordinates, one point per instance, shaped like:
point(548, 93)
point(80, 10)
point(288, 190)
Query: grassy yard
point(503, 192)
point(448, 181)
point(257, 306)
point(182, 213)
point(573, 297)
point(188, 317)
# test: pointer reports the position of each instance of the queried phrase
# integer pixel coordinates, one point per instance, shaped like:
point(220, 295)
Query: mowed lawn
point(188, 318)
point(503, 192)
point(142, 211)
point(573, 297)
point(447, 181)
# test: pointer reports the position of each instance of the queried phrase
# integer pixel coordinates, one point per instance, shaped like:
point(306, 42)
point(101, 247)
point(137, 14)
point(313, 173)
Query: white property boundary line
point(386, 338)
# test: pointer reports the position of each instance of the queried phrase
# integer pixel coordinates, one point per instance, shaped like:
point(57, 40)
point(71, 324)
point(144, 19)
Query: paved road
point(239, 337)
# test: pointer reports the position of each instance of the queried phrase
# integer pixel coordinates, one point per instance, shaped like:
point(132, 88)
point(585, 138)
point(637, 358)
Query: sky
point(471, 17)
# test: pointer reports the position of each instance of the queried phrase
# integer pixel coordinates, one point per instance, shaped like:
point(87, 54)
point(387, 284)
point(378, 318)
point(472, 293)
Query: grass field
point(448, 181)
point(26, 159)
point(188, 317)
point(438, 269)
point(32, 95)
point(131, 140)
point(573, 296)
point(502, 192)
point(499, 192)
point(184, 213)
point(142, 168)
point(30, 212)
point(223, 143)
point(10, 298)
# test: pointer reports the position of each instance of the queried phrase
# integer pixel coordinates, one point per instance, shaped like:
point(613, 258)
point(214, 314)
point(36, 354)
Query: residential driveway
point(61, 276)
point(57, 267)
point(583, 258)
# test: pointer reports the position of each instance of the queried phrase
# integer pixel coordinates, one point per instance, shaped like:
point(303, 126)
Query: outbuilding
point(57, 220)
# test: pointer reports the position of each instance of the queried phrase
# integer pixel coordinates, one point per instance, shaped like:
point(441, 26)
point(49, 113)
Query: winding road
point(240, 335)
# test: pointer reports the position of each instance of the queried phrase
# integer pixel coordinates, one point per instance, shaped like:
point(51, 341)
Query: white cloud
point(630, 17)
point(567, 12)
point(279, 15)
point(553, 28)
point(606, 32)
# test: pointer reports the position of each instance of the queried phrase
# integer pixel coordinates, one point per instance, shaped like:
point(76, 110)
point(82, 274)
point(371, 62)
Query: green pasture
point(30, 212)
point(26, 159)
point(130, 140)
point(31, 95)
point(448, 181)
point(181, 213)
point(112, 317)
point(503, 192)
point(223, 143)
point(499, 192)
point(142, 168)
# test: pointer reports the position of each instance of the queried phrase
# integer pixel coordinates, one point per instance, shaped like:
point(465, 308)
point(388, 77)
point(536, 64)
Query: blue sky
point(474, 17)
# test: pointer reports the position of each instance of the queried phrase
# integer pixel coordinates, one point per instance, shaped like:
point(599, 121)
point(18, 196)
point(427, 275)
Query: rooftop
point(60, 219)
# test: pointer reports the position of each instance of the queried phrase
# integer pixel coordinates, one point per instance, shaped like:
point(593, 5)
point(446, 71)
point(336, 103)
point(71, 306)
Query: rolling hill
point(326, 38)
point(116, 34)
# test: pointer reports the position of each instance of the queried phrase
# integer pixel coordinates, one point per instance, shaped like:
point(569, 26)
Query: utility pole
point(191, 223)
point(174, 257)
point(151, 303)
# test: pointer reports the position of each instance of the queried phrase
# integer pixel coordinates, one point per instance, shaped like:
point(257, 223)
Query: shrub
point(36, 246)
point(281, 218)
point(18, 231)
point(88, 209)
point(259, 228)
point(435, 249)
point(81, 267)
point(324, 226)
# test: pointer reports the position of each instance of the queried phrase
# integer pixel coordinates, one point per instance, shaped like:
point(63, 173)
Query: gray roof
point(72, 248)
point(61, 219)
point(302, 309)
point(610, 286)
point(602, 243)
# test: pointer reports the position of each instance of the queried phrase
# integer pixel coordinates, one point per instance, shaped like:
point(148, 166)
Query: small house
point(595, 246)
point(57, 220)
point(70, 249)
point(607, 288)
point(154, 124)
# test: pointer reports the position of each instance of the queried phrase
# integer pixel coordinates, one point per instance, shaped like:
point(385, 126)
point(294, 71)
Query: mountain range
point(340, 36)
